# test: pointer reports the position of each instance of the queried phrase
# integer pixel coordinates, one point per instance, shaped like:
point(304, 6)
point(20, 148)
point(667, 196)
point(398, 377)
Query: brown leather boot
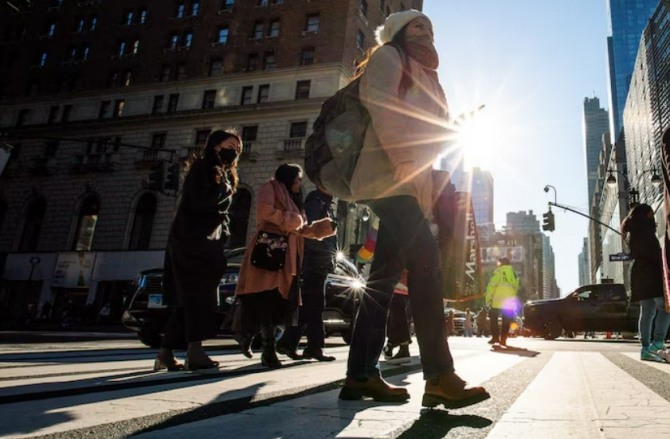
point(374, 387)
point(451, 391)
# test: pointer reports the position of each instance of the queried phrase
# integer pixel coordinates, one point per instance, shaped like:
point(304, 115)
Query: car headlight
point(230, 300)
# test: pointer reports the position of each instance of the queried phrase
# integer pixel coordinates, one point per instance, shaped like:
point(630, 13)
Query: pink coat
point(277, 213)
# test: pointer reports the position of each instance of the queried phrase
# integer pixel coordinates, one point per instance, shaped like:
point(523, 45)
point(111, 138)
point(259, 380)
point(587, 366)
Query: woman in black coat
point(194, 258)
point(646, 277)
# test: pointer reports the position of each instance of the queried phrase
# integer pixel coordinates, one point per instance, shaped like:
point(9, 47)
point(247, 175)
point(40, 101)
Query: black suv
point(146, 315)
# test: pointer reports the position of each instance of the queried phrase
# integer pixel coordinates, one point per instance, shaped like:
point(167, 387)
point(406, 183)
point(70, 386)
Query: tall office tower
point(594, 124)
point(523, 222)
point(583, 264)
point(101, 98)
point(479, 183)
point(627, 19)
point(549, 290)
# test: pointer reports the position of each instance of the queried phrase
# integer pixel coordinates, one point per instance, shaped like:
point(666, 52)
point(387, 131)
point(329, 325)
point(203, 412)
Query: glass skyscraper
point(595, 124)
point(627, 20)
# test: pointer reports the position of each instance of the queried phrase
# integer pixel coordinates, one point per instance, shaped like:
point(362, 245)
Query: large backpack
point(333, 148)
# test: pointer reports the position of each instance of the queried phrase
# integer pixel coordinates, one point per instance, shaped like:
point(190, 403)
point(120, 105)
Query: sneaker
point(664, 354)
point(401, 357)
point(657, 346)
point(388, 352)
point(647, 355)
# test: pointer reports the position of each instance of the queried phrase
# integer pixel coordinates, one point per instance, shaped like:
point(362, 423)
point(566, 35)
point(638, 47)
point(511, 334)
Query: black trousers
point(310, 315)
point(397, 327)
point(506, 322)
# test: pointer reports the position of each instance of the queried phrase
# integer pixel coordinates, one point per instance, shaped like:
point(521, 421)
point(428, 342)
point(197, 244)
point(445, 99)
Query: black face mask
point(227, 156)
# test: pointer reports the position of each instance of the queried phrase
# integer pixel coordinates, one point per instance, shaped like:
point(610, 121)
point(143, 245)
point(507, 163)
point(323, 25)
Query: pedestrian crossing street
point(554, 394)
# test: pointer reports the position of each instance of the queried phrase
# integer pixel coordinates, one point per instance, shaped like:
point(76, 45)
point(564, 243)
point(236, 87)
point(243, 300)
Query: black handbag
point(269, 251)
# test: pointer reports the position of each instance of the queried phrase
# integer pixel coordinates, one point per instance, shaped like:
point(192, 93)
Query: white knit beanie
point(394, 23)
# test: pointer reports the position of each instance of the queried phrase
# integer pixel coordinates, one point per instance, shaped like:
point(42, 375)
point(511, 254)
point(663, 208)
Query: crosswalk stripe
point(584, 395)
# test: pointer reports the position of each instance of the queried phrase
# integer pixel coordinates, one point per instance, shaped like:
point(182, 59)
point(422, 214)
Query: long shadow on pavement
point(438, 423)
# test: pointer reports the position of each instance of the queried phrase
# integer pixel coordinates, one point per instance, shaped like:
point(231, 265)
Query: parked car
point(146, 314)
point(342, 290)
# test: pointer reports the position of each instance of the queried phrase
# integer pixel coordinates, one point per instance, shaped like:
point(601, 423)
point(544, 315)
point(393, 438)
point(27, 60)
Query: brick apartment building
point(95, 94)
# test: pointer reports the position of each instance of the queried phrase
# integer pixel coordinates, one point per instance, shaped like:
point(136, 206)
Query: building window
point(312, 23)
point(173, 41)
point(307, 56)
point(128, 18)
point(187, 39)
point(52, 29)
point(227, 5)
point(22, 117)
point(81, 24)
point(302, 89)
point(364, 8)
point(262, 3)
point(275, 26)
point(43, 59)
point(249, 134)
point(195, 8)
point(158, 140)
point(143, 16)
point(258, 30)
point(119, 104)
point(86, 223)
point(122, 48)
point(179, 13)
point(208, 99)
point(127, 78)
point(181, 71)
point(223, 35)
point(67, 110)
point(32, 225)
point(298, 129)
point(136, 46)
point(201, 137)
point(53, 113)
point(105, 107)
point(263, 93)
point(143, 222)
point(360, 40)
point(252, 62)
point(165, 73)
point(215, 66)
point(269, 61)
point(158, 104)
point(247, 93)
point(84, 52)
point(93, 23)
point(173, 102)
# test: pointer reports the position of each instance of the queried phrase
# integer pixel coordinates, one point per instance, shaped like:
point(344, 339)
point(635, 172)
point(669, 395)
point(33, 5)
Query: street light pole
point(546, 189)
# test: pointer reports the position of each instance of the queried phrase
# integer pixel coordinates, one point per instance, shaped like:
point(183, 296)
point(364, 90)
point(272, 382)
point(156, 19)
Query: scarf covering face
point(423, 50)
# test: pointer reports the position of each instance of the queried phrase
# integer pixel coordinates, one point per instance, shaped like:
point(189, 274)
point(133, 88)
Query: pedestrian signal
point(548, 221)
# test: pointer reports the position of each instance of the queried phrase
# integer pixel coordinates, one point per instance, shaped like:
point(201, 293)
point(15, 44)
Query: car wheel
point(552, 330)
point(150, 338)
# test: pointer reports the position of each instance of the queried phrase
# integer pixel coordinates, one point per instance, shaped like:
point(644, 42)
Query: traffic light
point(172, 178)
point(156, 178)
point(548, 221)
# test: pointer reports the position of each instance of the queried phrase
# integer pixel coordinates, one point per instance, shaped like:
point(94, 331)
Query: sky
point(531, 63)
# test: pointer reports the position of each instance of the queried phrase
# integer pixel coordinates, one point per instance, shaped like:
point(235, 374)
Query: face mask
point(227, 156)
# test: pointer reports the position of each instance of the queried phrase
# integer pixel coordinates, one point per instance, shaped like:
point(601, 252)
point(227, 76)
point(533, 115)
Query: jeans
point(404, 241)
point(653, 311)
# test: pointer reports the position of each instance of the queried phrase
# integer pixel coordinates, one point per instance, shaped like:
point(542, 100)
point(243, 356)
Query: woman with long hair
point(646, 280)
point(269, 298)
point(194, 258)
point(409, 126)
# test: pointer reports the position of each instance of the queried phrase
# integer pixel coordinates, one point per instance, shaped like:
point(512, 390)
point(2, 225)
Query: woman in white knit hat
point(400, 89)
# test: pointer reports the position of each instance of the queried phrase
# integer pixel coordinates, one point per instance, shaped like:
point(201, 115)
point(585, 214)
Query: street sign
point(620, 257)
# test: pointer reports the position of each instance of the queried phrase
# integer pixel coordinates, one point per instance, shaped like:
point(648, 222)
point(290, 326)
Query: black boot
point(269, 355)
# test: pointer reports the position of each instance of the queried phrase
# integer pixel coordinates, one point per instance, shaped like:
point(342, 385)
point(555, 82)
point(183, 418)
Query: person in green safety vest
point(501, 299)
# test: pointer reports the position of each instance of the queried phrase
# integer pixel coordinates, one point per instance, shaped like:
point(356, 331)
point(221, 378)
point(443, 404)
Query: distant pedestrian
point(397, 325)
point(318, 261)
point(194, 258)
point(468, 325)
point(482, 323)
point(646, 279)
point(501, 299)
point(450, 325)
point(45, 314)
